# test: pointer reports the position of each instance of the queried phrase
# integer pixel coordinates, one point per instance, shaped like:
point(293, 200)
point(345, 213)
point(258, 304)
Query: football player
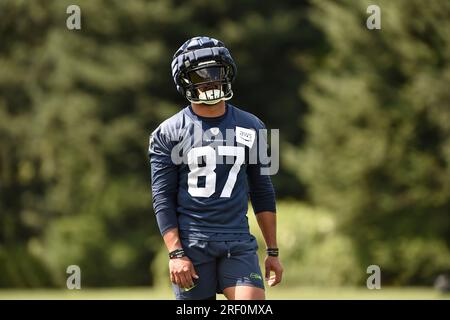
point(205, 166)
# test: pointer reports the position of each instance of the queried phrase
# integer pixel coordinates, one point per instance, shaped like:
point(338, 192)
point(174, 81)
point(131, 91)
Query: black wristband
point(272, 252)
point(177, 253)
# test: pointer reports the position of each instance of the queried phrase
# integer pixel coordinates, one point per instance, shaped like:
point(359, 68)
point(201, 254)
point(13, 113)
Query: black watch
point(272, 252)
point(177, 253)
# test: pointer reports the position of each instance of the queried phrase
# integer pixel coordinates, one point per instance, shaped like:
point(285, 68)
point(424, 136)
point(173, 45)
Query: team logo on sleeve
point(245, 136)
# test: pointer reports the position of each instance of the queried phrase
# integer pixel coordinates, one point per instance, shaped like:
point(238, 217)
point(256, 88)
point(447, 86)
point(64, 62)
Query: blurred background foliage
point(364, 118)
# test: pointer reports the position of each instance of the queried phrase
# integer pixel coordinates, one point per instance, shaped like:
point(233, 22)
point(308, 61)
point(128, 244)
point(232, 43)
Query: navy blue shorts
point(219, 265)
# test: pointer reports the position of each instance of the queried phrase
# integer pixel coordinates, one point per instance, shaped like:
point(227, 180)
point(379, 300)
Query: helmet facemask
point(208, 82)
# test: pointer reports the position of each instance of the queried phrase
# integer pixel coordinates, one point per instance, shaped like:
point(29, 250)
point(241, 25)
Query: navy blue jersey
point(204, 170)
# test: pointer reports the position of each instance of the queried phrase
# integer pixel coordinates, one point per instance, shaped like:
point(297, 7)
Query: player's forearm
point(172, 239)
point(267, 221)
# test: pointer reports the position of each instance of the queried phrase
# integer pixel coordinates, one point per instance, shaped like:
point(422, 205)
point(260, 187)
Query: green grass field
point(301, 293)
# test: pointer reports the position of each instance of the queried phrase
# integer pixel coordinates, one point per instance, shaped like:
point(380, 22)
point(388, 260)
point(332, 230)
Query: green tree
point(77, 107)
point(378, 135)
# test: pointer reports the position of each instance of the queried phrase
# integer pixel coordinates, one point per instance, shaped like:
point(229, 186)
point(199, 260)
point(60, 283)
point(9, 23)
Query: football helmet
point(203, 70)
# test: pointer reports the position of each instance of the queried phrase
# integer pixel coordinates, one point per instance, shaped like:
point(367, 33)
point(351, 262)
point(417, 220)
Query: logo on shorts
point(255, 276)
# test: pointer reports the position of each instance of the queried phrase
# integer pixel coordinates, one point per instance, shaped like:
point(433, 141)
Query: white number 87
point(208, 170)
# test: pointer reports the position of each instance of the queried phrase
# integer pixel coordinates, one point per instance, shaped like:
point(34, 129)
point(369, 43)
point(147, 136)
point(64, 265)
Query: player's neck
point(209, 111)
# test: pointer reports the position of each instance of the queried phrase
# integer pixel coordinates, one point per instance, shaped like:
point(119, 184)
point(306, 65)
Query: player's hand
point(273, 264)
point(182, 272)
